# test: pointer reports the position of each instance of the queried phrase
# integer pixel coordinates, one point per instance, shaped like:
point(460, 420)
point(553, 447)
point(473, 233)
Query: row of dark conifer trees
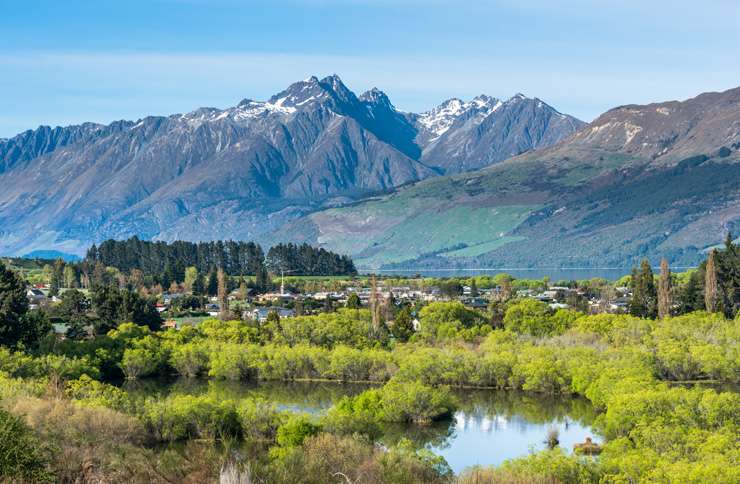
point(235, 258)
point(714, 287)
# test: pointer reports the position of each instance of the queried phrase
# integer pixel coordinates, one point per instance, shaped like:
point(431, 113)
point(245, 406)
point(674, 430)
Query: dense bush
point(328, 458)
point(185, 416)
point(189, 360)
point(624, 365)
point(533, 317)
point(395, 402)
point(444, 320)
point(22, 457)
point(543, 467)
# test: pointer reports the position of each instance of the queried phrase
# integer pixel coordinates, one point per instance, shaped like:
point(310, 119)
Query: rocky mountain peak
point(376, 97)
point(312, 92)
point(237, 168)
point(440, 119)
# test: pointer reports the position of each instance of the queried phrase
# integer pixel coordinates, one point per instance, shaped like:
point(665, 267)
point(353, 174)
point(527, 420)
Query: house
point(169, 298)
point(476, 302)
point(36, 297)
point(276, 296)
point(213, 309)
point(260, 314)
point(59, 330)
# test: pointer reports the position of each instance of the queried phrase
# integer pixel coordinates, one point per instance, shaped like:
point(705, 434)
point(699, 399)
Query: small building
point(557, 305)
point(35, 295)
point(475, 302)
point(260, 314)
point(276, 297)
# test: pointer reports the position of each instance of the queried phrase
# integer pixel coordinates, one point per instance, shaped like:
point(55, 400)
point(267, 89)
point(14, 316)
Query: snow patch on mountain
point(440, 119)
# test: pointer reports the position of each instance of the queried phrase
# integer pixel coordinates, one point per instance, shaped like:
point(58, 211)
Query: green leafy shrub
point(530, 316)
point(184, 416)
point(189, 360)
point(22, 456)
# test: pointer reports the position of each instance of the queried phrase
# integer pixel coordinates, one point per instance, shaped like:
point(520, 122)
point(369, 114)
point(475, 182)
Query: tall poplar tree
point(710, 283)
point(223, 299)
point(665, 291)
point(374, 305)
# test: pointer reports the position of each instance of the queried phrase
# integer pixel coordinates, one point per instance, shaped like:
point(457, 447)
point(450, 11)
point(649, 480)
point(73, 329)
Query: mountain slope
point(240, 172)
point(656, 180)
point(469, 136)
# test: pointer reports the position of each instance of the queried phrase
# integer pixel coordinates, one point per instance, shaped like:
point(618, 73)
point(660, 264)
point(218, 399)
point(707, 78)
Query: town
point(289, 296)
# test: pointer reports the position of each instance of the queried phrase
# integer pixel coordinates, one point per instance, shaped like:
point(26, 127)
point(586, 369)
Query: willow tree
point(665, 291)
point(710, 283)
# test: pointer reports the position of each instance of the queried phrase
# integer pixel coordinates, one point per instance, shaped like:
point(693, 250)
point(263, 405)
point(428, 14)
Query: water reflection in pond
point(491, 427)
point(488, 428)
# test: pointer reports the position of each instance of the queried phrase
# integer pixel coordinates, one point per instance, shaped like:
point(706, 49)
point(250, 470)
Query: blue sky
point(73, 61)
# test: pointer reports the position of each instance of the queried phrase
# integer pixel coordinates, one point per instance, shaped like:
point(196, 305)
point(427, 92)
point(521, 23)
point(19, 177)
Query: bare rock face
point(670, 131)
point(247, 170)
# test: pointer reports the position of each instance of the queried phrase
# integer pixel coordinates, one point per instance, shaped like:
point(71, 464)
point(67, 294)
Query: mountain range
point(478, 183)
point(246, 171)
point(657, 180)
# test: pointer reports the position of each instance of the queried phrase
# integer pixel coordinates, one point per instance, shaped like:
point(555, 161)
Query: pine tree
point(199, 286)
point(474, 289)
point(403, 325)
point(710, 283)
point(353, 301)
point(389, 306)
point(243, 290)
point(644, 296)
point(262, 278)
point(13, 306)
point(665, 291)
point(212, 284)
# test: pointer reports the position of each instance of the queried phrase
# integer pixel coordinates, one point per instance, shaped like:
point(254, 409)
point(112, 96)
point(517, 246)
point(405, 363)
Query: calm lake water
point(489, 427)
point(555, 274)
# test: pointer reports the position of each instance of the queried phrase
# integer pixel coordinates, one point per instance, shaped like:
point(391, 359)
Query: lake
point(488, 428)
point(555, 274)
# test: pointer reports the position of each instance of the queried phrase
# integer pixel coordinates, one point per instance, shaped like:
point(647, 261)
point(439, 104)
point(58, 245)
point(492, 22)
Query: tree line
point(235, 258)
point(714, 286)
point(309, 261)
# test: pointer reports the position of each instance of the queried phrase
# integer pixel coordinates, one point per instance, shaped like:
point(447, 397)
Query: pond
point(488, 428)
